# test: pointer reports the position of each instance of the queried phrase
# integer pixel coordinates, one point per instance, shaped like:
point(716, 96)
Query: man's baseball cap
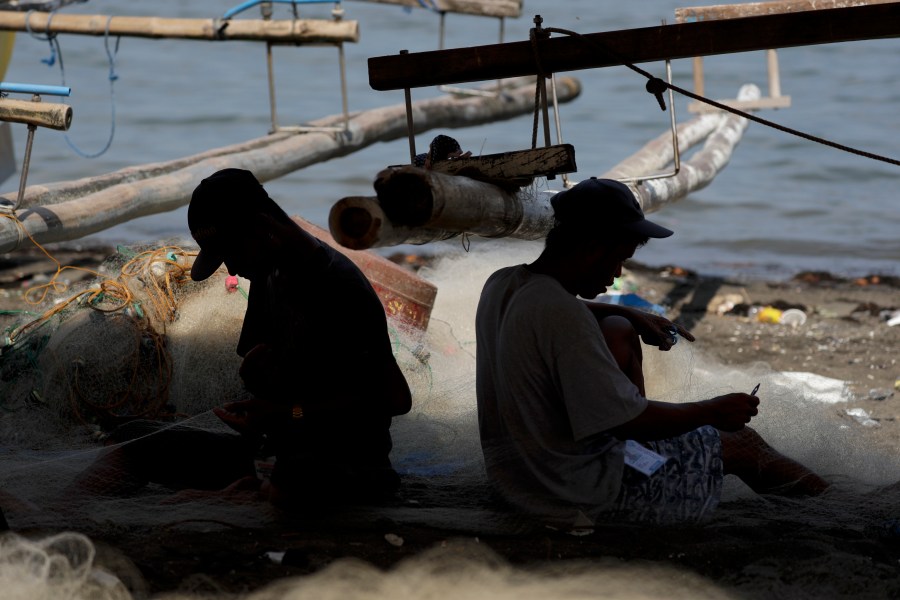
point(219, 205)
point(604, 205)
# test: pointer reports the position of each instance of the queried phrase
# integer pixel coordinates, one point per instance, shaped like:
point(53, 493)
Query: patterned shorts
point(685, 489)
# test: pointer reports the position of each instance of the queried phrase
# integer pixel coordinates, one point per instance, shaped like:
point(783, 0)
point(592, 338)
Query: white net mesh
point(83, 371)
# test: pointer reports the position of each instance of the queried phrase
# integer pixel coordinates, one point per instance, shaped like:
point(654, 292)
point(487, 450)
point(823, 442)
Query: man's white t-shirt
point(547, 388)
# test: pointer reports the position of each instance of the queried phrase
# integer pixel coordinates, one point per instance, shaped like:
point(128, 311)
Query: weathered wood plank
point(300, 31)
point(537, 162)
point(753, 9)
point(43, 114)
point(484, 8)
point(596, 50)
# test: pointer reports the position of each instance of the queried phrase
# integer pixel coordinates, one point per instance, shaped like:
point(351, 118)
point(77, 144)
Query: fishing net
point(164, 349)
point(126, 345)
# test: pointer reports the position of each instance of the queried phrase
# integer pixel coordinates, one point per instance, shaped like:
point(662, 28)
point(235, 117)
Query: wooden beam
point(518, 164)
point(483, 8)
point(300, 31)
point(753, 9)
point(43, 114)
point(647, 44)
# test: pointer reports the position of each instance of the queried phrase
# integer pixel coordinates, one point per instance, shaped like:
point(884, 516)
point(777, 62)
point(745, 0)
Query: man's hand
point(731, 411)
point(653, 329)
point(254, 416)
point(656, 330)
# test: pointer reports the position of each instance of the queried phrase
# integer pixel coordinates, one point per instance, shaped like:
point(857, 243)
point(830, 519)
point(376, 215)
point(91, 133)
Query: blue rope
point(56, 51)
point(50, 37)
point(429, 4)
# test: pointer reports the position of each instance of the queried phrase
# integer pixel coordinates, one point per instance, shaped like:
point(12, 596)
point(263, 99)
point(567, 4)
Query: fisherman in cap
point(317, 355)
point(567, 431)
point(317, 361)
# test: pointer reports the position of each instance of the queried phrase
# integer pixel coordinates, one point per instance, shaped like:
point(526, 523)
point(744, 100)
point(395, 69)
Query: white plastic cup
point(793, 317)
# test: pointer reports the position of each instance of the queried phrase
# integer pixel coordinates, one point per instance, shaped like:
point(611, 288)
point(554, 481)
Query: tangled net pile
point(105, 353)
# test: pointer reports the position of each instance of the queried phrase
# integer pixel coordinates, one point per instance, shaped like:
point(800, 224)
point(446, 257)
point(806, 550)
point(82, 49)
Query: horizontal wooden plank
point(42, 114)
point(753, 9)
point(484, 8)
point(767, 102)
point(537, 162)
point(299, 31)
point(596, 50)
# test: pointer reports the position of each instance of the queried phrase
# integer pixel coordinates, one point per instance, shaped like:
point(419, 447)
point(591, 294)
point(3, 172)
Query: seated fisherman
point(318, 362)
point(560, 387)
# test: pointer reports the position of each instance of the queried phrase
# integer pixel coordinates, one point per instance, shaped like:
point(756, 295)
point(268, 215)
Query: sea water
point(782, 205)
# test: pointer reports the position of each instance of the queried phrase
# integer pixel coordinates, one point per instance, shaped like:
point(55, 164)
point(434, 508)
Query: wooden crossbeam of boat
point(287, 31)
point(647, 44)
point(51, 115)
point(755, 9)
point(484, 8)
point(517, 164)
point(71, 210)
point(415, 206)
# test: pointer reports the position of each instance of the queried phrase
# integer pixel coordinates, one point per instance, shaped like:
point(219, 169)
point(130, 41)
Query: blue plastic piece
point(251, 3)
point(33, 88)
point(632, 300)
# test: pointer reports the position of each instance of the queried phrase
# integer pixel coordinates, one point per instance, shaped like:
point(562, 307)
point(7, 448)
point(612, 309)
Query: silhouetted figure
point(562, 410)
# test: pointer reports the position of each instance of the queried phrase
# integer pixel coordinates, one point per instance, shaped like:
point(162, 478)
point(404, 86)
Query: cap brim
point(205, 264)
point(650, 229)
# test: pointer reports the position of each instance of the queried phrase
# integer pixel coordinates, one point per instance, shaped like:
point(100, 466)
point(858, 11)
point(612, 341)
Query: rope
point(160, 272)
point(431, 5)
point(656, 86)
point(56, 51)
point(533, 38)
point(51, 60)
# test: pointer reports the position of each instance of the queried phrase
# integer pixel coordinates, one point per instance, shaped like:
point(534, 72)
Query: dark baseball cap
point(604, 205)
point(219, 206)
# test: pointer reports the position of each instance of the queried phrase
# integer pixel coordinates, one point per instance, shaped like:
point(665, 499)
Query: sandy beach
point(445, 536)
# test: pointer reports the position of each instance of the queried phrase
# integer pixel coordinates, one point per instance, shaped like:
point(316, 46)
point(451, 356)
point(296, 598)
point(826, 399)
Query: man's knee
point(620, 334)
point(742, 448)
point(625, 345)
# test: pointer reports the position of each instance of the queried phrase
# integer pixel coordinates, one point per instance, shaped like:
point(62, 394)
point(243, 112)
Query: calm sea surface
point(782, 205)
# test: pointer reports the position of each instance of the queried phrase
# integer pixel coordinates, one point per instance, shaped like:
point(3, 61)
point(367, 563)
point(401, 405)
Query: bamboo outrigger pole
point(595, 50)
point(70, 210)
point(288, 31)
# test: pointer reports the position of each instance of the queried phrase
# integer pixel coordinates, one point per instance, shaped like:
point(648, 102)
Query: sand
point(447, 538)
